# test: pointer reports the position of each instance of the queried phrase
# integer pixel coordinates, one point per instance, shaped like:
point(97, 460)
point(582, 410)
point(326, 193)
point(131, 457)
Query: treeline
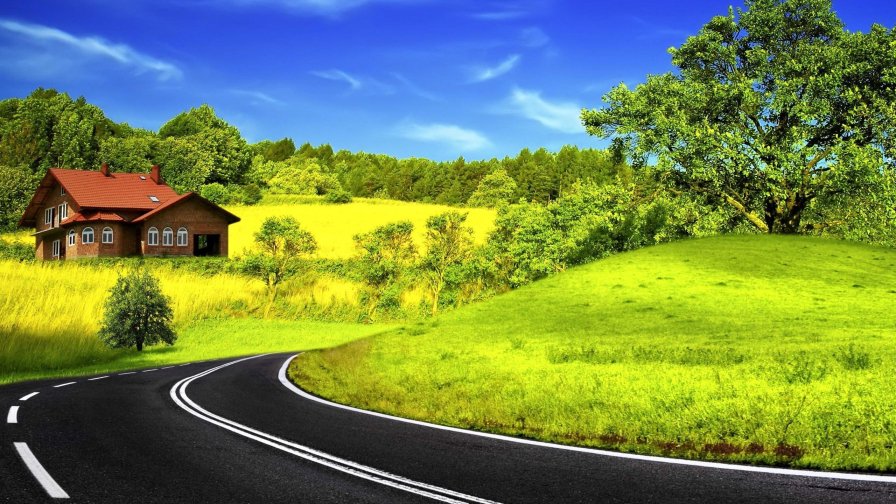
point(198, 151)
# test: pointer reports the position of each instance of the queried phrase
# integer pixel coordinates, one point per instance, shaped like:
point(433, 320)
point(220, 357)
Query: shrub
point(137, 313)
point(338, 196)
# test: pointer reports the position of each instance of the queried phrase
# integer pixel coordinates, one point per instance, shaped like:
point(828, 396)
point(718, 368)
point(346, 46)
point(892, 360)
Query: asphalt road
point(204, 433)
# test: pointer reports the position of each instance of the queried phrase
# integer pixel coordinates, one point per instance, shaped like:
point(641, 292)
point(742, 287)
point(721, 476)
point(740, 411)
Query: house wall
point(54, 199)
point(124, 241)
point(196, 217)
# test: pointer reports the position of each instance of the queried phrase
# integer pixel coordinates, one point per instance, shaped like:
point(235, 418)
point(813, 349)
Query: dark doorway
point(206, 245)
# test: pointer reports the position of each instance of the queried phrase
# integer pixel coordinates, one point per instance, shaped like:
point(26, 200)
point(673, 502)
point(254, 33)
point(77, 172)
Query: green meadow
point(758, 349)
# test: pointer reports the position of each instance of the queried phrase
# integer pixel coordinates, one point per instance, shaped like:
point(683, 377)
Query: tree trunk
point(139, 344)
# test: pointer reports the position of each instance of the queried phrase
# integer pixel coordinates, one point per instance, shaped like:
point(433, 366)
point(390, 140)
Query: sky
point(409, 78)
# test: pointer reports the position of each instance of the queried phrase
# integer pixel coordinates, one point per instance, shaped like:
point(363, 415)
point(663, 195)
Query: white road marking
point(647, 458)
point(167, 367)
point(98, 378)
point(185, 364)
point(149, 370)
point(64, 384)
point(12, 416)
point(129, 372)
point(29, 396)
point(178, 394)
point(40, 474)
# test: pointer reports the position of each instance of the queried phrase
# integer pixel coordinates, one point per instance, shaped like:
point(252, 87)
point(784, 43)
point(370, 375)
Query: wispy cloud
point(534, 37)
point(339, 76)
point(257, 97)
point(318, 7)
point(505, 15)
point(509, 10)
point(414, 88)
point(489, 73)
point(461, 139)
point(92, 46)
point(559, 116)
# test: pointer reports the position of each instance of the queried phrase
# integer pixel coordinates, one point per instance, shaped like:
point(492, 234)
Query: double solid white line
point(179, 395)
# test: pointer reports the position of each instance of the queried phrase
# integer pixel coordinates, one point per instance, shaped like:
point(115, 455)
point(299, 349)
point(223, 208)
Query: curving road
point(232, 431)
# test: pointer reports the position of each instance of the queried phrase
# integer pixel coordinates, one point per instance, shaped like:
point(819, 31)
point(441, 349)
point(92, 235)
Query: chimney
point(156, 175)
point(105, 169)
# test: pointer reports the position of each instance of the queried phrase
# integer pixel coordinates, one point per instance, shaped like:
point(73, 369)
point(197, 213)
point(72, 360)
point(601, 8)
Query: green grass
point(203, 340)
point(758, 349)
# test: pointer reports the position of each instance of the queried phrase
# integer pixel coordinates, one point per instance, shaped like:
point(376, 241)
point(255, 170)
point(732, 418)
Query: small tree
point(137, 313)
point(385, 254)
point(282, 243)
point(495, 189)
point(448, 244)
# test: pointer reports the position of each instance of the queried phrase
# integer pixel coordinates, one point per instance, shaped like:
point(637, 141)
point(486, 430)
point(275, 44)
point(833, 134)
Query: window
point(153, 199)
point(107, 235)
point(182, 237)
point(152, 238)
point(167, 237)
point(62, 191)
point(57, 248)
point(63, 212)
point(87, 236)
point(48, 215)
point(71, 237)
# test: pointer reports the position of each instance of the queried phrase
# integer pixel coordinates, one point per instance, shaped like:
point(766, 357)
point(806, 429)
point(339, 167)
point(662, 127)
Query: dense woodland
point(200, 152)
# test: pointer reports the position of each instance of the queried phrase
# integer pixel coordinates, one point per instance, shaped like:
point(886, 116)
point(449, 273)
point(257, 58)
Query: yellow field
point(333, 226)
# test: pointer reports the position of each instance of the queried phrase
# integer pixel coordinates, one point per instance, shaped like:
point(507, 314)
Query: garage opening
point(206, 245)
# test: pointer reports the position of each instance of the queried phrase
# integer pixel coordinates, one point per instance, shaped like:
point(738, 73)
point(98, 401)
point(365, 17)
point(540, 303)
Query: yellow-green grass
point(333, 226)
point(760, 349)
point(50, 314)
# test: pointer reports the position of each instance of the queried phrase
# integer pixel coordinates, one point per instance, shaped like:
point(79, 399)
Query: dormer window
point(62, 191)
point(153, 199)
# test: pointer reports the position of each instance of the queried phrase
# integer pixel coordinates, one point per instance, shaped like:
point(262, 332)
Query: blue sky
point(425, 78)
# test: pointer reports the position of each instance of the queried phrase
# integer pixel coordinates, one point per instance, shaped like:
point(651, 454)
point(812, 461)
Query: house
point(78, 213)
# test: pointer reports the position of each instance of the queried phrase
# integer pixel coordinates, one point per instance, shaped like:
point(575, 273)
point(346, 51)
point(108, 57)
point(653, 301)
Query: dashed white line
point(64, 384)
point(29, 396)
point(98, 378)
point(12, 416)
point(185, 364)
point(167, 367)
point(129, 372)
point(149, 370)
point(41, 474)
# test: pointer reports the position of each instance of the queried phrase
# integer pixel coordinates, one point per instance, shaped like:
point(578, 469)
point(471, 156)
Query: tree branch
point(753, 218)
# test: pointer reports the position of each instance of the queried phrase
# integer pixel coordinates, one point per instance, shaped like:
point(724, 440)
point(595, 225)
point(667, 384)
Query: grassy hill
point(764, 349)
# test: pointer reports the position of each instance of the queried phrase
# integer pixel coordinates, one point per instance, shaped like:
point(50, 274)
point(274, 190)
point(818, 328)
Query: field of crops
point(50, 312)
point(768, 349)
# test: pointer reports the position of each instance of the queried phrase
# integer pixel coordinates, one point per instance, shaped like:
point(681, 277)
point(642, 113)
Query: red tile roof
point(120, 191)
point(94, 216)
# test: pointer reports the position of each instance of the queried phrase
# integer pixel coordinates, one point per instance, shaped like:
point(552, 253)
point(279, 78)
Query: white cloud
point(415, 89)
point(560, 116)
point(505, 15)
point(92, 47)
point(489, 73)
point(534, 37)
point(459, 138)
point(257, 97)
point(339, 76)
point(320, 7)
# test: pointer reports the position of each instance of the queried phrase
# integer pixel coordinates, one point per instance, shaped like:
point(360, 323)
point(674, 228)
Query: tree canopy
point(775, 111)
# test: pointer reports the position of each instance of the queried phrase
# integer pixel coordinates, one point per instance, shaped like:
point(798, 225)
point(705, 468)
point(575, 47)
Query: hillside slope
point(766, 349)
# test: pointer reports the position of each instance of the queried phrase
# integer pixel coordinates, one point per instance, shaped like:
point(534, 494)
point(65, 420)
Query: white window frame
point(111, 235)
point(63, 211)
point(85, 236)
point(72, 237)
point(61, 191)
point(167, 237)
point(57, 248)
point(48, 215)
point(182, 237)
point(152, 237)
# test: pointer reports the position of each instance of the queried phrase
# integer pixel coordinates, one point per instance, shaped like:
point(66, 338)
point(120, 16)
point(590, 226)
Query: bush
point(137, 313)
point(338, 196)
point(216, 193)
point(16, 251)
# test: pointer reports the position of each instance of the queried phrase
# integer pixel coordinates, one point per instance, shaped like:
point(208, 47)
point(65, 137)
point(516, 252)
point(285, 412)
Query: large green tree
point(137, 313)
point(774, 111)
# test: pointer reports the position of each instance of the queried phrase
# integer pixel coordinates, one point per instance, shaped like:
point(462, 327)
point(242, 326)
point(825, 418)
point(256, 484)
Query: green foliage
point(384, 257)
point(300, 176)
point(777, 112)
point(215, 192)
point(281, 150)
point(137, 313)
point(16, 187)
point(282, 244)
point(449, 244)
point(495, 189)
point(16, 251)
point(338, 196)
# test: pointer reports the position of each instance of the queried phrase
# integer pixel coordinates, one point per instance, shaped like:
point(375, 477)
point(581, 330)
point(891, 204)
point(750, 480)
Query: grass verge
point(757, 349)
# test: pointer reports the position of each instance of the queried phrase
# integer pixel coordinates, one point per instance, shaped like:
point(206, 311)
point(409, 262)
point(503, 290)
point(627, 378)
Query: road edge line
point(594, 451)
point(39, 472)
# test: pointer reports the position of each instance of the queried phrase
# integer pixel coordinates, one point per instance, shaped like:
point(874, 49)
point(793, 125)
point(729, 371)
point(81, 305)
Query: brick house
point(78, 213)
